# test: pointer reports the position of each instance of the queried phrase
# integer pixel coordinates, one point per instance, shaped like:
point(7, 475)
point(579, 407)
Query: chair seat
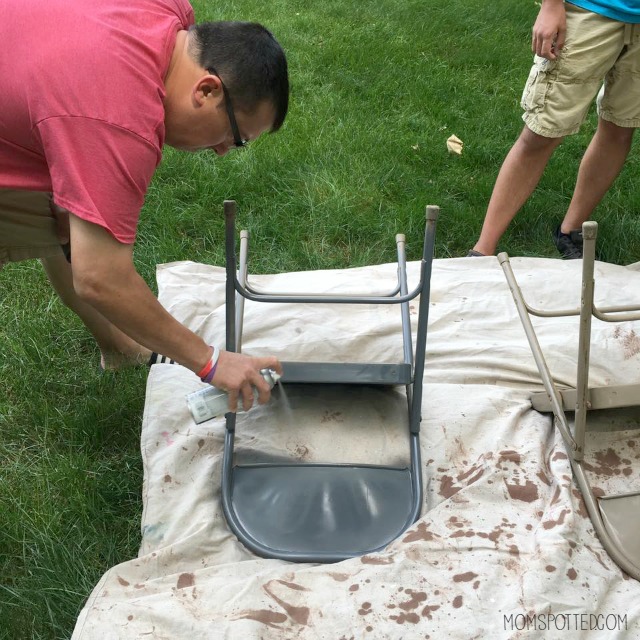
point(320, 513)
point(621, 516)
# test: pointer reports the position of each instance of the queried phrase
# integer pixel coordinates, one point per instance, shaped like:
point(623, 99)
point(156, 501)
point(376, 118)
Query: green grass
point(377, 88)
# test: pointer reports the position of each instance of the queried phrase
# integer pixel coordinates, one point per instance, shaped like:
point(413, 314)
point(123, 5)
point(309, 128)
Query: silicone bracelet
point(209, 377)
point(206, 373)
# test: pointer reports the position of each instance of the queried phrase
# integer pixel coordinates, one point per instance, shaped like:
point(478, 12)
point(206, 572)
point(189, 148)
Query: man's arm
point(549, 30)
point(104, 276)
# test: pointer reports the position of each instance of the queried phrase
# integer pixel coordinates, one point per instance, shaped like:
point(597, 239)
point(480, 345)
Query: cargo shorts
point(601, 57)
point(27, 226)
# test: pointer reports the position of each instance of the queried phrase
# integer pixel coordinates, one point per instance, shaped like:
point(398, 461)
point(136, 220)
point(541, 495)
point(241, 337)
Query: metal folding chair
point(616, 518)
point(315, 512)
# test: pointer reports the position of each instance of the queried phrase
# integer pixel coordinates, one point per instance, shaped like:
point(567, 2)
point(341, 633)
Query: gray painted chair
point(616, 518)
point(308, 512)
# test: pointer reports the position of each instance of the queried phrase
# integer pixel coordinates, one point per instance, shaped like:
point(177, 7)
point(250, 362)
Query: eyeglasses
point(238, 141)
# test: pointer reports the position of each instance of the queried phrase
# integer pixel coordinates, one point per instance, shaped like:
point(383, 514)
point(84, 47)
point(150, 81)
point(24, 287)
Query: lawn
point(377, 88)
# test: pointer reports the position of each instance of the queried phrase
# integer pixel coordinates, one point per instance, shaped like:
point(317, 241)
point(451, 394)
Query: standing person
point(578, 45)
point(91, 91)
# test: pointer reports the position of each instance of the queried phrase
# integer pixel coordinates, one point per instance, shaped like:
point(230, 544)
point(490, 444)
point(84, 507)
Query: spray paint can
point(211, 402)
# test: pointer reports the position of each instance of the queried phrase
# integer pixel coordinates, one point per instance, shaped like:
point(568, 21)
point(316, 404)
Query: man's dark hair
point(250, 62)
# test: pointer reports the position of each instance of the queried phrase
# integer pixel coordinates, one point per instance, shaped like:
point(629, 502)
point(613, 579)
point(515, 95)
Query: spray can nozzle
point(272, 377)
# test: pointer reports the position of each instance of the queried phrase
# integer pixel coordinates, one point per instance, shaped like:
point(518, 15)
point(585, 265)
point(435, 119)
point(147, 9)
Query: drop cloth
point(504, 547)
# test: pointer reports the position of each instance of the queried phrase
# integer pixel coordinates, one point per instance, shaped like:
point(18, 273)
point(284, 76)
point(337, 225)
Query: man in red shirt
point(90, 94)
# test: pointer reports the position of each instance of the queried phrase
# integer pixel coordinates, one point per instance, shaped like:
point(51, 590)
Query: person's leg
point(518, 177)
point(117, 349)
point(555, 100)
point(602, 162)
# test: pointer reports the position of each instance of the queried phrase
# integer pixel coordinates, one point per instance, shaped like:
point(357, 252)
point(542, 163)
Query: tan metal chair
point(616, 518)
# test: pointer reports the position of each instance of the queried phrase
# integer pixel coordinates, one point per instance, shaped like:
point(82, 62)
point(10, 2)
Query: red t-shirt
point(81, 101)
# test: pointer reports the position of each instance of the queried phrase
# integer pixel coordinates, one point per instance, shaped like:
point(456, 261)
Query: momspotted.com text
point(565, 622)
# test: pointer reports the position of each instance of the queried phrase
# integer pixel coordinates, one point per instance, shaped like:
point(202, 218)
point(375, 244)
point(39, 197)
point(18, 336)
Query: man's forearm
point(104, 276)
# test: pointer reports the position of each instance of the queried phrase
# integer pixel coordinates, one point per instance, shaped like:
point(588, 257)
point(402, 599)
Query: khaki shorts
point(559, 92)
point(27, 226)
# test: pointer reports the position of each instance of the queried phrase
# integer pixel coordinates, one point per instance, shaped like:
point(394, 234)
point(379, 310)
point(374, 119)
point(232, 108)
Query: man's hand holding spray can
point(212, 402)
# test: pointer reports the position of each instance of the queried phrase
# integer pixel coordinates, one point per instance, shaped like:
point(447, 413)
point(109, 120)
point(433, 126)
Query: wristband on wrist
point(208, 371)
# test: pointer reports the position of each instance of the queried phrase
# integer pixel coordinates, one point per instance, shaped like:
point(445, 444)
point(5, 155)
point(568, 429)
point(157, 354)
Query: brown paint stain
point(416, 599)
point(457, 602)
point(493, 536)
point(572, 574)
point(582, 507)
point(525, 493)
point(465, 577)
point(543, 476)
point(550, 568)
point(332, 416)
point(123, 582)
point(608, 463)
point(339, 577)
point(299, 615)
point(354, 587)
point(630, 342)
point(167, 478)
point(302, 452)
point(129, 617)
point(447, 490)
point(365, 609)
point(200, 443)
point(550, 524)
point(512, 565)
point(264, 616)
point(597, 555)
point(376, 560)
point(466, 474)
point(476, 477)
point(429, 609)
point(186, 580)
point(463, 534)
point(413, 618)
point(559, 455)
point(293, 585)
point(421, 533)
point(510, 456)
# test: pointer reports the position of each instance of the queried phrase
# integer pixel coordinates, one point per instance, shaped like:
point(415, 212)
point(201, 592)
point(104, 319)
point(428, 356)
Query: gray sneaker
point(568, 244)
